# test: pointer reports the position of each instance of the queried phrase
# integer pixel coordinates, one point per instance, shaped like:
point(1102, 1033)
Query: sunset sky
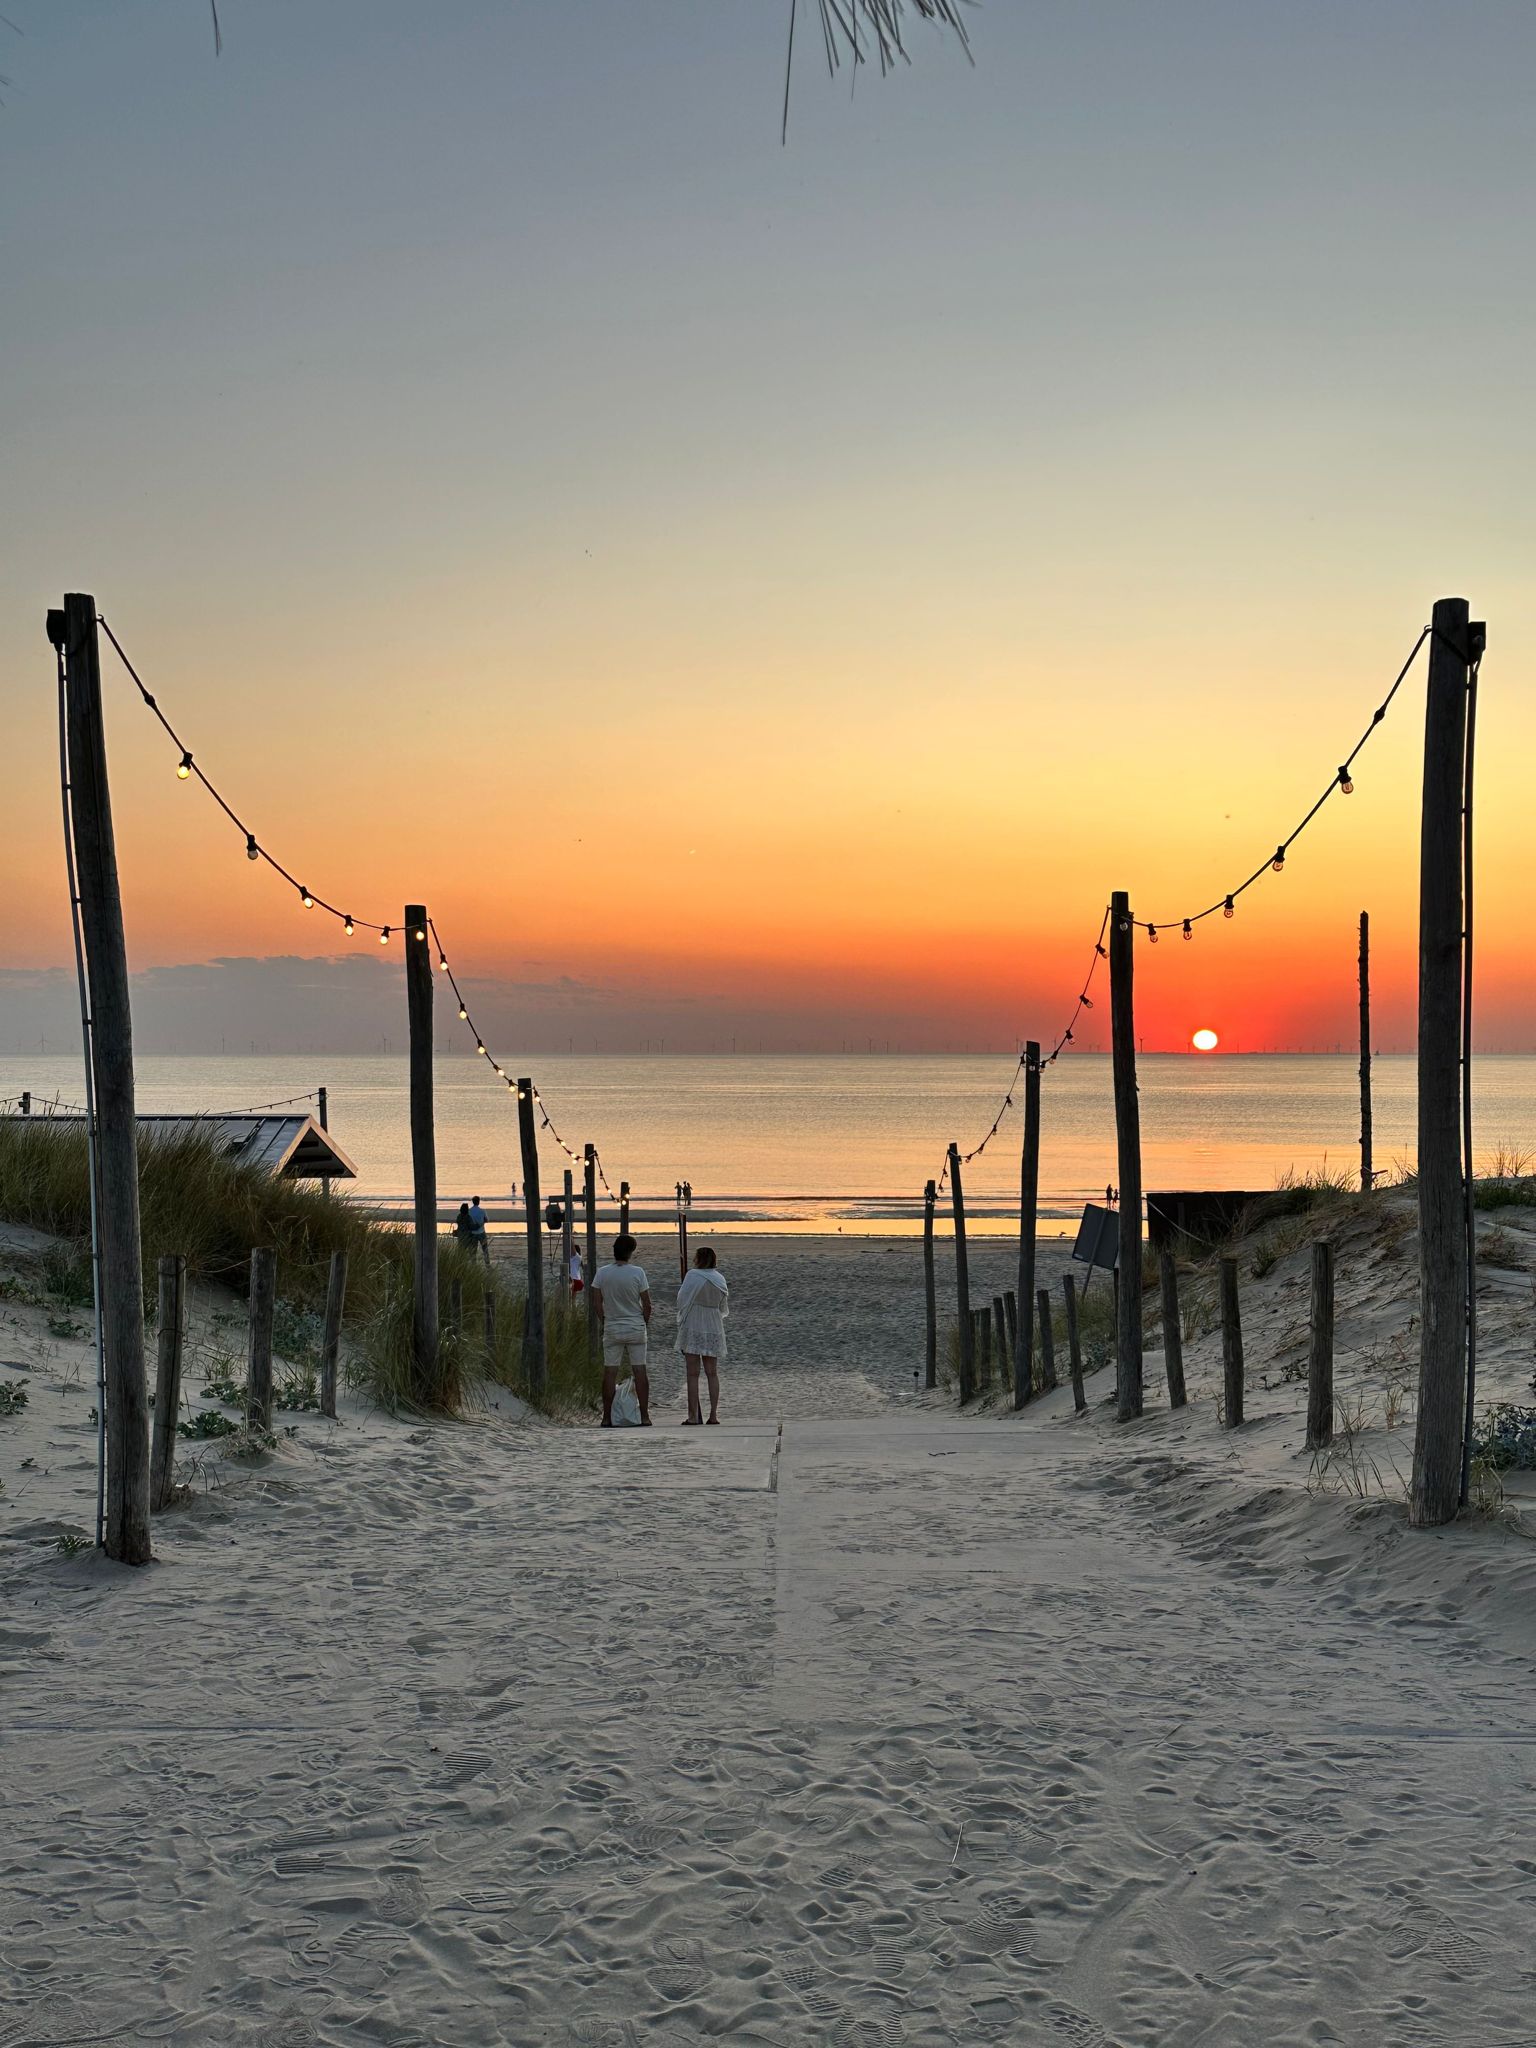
point(760, 590)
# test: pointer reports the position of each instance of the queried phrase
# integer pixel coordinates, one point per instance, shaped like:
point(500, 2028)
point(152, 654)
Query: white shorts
point(621, 1354)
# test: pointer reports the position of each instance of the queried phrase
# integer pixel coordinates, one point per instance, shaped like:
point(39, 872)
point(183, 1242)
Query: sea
point(828, 1143)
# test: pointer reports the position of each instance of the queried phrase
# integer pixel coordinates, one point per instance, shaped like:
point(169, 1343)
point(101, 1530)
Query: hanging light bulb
point(1345, 785)
point(252, 850)
point(184, 767)
point(420, 934)
point(1229, 908)
point(442, 963)
point(498, 1070)
point(384, 936)
point(305, 898)
point(480, 1048)
point(463, 1013)
point(1102, 952)
point(1279, 860)
point(1152, 933)
point(1189, 930)
point(1086, 1002)
point(347, 925)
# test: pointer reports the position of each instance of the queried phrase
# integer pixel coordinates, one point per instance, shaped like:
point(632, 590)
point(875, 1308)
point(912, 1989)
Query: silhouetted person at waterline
point(623, 1296)
point(463, 1229)
point(703, 1303)
point(477, 1226)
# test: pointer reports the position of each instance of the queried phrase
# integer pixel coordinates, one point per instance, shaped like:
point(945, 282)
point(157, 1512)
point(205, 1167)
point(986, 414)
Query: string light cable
point(1342, 781)
point(188, 768)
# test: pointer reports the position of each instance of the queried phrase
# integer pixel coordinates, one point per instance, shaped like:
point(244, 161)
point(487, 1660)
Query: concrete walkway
point(899, 1730)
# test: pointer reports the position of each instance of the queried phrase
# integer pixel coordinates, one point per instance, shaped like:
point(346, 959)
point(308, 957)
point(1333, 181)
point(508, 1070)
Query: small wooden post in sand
point(589, 1203)
point(1367, 1169)
point(418, 1005)
point(1320, 1354)
point(1047, 1341)
point(931, 1299)
point(1000, 1341)
point(1231, 1346)
point(981, 1321)
point(330, 1342)
point(1011, 1311)
point(172, 1338)
point(1122, 959)
point(534, 1349)
point(1074, 1341)
point(1173, 1329)
point(1029, 1220)
point(258, 1356)
point(962, 1282)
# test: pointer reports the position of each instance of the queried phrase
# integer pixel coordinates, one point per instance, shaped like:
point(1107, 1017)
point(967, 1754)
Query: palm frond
point(859, 29)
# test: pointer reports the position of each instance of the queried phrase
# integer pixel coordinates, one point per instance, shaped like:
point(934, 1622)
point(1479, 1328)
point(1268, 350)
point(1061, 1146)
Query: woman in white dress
point(703, 1303)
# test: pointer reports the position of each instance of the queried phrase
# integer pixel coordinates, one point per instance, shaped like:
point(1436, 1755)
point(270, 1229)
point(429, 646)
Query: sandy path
point(894, 1729)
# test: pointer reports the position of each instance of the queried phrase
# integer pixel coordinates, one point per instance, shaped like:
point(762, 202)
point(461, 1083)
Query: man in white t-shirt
point(624, 1310)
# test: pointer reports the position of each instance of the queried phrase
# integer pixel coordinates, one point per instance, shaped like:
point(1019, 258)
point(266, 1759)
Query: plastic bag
point(626, 1406)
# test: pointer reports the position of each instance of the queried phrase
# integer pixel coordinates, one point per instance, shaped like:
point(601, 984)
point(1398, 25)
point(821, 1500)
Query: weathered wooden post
point(322, 1117)
point(962, 1281)
point(1367, 1169)
point(930, 1292)
point(567, 1235)
point(1122, 962)
point(1320, 1353)
point(1000, 1343)
point(982, 1323)
point(1047, 1341)
point(1029, 1207)
point(1173, 1329)
point(172, 1338)
point(418, 1007)
point(258, 1353)
point(534, 1346)
point(1074, 1343)
point(26, 1101)
point(1443, 1277)
point(1011, 1311)
point(1231, 1346)
point(330, 1341)
point(624, 1208)
point(124, 1526)
point(589, 1201)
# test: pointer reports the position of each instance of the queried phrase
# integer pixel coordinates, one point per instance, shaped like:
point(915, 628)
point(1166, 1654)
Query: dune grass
point(212, 1211)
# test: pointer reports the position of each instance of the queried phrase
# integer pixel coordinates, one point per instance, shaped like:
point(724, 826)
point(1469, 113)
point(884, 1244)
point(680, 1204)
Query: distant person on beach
point(577, 1283)
point(624, 1310)
point(477, 1225)
point(463, 1229)
point(703, 1303)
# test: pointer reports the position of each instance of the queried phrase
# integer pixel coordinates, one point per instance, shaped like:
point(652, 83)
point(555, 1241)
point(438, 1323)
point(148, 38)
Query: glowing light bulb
point(1152, 933)
point(442, 963)
point(1347, 787)
point(183, 767)
point(1085, 1002)
point(348, 926)
point(479, 1048)
point(1189, 930)
point(305, 898)
point(498, 1070)
point(1279, 860)
point(1229, 908)
point(252, 850)
point(384, 936)
point(463, 1012)
point(420, 934)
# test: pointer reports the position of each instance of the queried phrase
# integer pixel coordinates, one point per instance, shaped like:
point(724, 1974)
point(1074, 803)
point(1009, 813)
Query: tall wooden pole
point(125, 1529)
point(1442, 1229)
point(418, 1008)
point(962, 1281)
point(1367, 1167)
point(1029, 1206)
point(1173, 1329)
point(1122, 959)
point(567, 1235)
point(534, 1351)
point(624, 1208)
point(931, 1299)
point(589, 1204)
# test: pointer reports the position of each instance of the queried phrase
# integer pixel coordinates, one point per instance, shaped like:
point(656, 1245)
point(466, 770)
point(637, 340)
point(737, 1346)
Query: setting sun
point(1205, 1040)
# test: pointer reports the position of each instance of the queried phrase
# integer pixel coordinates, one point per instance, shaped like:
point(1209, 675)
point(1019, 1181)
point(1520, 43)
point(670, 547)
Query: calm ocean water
point(805, 1142)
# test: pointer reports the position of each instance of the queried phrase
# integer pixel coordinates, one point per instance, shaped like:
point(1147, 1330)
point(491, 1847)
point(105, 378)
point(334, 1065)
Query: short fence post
point(1231, 1345)
point(1074, 1341)
point(1320, 1355)
point(1173, 1329)
point(173, 1333)
point(982, 1323)
point(26, 1102)
point(1000, 1342)
point(258, 1361)
point(330, 1342)
point(931, 1299)
point(1011, 1312)
point(1047, 1341)
point(534, 1352)
point(962, 1282)
point(1074, 1344)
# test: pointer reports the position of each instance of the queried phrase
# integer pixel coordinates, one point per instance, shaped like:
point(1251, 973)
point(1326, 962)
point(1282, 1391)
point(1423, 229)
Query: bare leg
point(712, 1374)
point(643, 1395)
point(610, 1388)
point(695, 1412)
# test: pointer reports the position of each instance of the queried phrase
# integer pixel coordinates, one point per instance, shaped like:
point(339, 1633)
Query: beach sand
point(854, 1721)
